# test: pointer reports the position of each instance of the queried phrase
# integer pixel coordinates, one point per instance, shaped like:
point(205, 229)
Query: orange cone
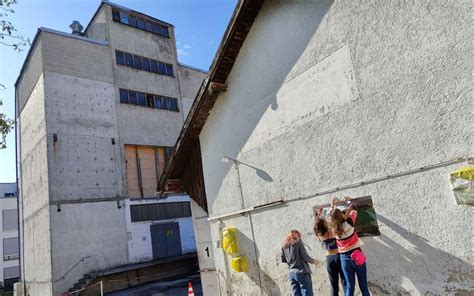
point(190, 289)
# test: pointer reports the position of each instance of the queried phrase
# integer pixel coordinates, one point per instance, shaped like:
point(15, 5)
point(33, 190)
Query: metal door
point(165, 240)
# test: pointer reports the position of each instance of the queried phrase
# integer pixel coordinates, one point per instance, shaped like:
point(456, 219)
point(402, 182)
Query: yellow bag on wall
point(240, 264)
point(462, 183)
point(229, 240)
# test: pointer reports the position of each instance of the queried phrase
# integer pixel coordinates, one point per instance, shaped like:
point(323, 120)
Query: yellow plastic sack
point(240, 264)
point(462, 182)
point(229, 240)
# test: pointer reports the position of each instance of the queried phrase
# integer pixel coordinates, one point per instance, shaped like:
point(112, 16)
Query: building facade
point(9, 252)
point(330, 98)
point(98, 112)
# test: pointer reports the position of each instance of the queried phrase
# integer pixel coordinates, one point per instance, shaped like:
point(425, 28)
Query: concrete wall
point(7, 204)
point(31, 74)
point(98, 26)
point(36, 262)
point(94, 232)
point(190, 81)
point(351, 91)
point(139, 240)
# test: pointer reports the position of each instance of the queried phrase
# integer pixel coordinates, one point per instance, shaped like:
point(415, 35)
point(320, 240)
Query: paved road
point(165, 288)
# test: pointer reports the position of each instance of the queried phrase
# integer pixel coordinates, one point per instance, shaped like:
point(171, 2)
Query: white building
point(322, 98)
point(9, 252)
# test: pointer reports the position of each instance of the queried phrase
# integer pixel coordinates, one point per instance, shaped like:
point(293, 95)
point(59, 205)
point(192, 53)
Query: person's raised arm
point(283, 256)
point(350, 212)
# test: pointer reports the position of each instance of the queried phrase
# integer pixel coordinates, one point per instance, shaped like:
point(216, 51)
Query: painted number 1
point(207, 251)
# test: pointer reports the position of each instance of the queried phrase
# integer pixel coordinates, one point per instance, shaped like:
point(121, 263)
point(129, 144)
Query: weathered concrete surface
point(190, 81)
point(34, 193)
point(354, 90)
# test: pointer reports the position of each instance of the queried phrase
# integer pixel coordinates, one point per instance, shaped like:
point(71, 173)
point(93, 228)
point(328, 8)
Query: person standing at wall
point(348, 243)
point(333, 260)
point(294, 254)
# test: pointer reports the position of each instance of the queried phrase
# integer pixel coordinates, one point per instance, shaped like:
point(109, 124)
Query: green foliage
point(9, 37)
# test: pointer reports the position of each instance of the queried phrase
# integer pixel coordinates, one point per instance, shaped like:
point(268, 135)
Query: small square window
point(150, 100)
point(132, 21)
point(132, 97)
point(154, 66)
point(140, 23)
point(137, 61)
point(166, 103)
point(173, 104)
point(129, 59)
point(149, 27)
point(158, 102)
point(119, 57)
point(123, 96)
point(161, 68)
point(146, 64)
point(156, 28)
point(141, 99)
point(116, 15)
point(164, 31)
point(124, 17)
point(169, 70)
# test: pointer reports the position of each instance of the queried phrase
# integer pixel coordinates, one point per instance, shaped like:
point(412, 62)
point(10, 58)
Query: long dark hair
point(320, 227)
point(337, 219)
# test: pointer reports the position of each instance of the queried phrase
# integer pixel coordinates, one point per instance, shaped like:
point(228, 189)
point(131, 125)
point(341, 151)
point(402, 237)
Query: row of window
point(148, 100)
point(160, 211)
point(143, 63)
point(140, 23)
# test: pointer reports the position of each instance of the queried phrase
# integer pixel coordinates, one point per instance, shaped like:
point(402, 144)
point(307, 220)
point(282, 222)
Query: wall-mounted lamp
point(58, 208)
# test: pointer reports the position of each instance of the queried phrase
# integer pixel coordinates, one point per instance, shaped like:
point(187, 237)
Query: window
point(149, 27)
point(9, 194)
point(160, 211)
point(166, 103)
point(123, 17)
point(144, 165)
point(141, 99)
point(132, 21)
point(11, 275)
point(123, 96)
point(128, 59)
point(150, 100)
point(173, 104)
point(161, 68)
point(169, 70)
point(143, 63)
point(10, 248)
point(10, 220)
point(154, 66)
point(146, 64)
point(132, 97)
point(140, 23)
point(137, 61)
point(158, 102)
point(119, 56)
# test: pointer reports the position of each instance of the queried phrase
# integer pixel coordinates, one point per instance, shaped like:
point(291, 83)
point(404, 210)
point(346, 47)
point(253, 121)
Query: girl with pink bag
point(348, 243)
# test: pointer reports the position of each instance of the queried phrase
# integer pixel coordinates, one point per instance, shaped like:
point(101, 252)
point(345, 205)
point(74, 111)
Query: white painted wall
point(328, 93)
point(7, 204)
point(139, 236)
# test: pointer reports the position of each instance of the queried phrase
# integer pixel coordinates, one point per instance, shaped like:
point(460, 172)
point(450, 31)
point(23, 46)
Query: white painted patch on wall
point(323, 87)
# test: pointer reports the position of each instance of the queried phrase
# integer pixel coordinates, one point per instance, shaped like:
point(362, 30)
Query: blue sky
point(199, 26)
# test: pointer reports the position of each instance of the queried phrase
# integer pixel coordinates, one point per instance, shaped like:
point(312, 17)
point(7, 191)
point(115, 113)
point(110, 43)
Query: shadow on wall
point(247, 248)
point(425, 269)
point(287, 51)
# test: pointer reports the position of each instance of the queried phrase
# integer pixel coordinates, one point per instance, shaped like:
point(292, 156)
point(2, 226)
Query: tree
point(9, 37)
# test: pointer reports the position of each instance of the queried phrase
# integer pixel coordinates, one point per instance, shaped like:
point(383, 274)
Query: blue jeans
point(334, 268)
point(351, 269)
point(301, 283)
